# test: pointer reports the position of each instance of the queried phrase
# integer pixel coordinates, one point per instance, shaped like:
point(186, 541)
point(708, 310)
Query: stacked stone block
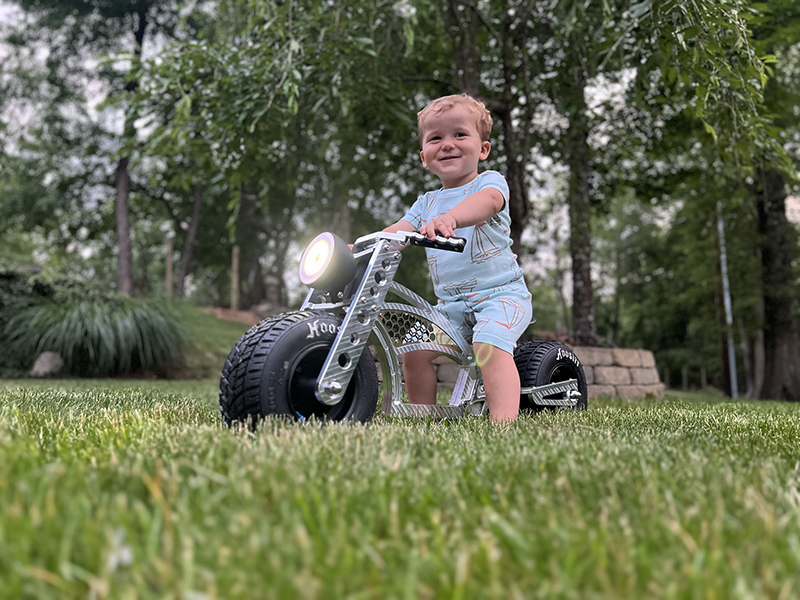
point(610, 373)
point(620, 373)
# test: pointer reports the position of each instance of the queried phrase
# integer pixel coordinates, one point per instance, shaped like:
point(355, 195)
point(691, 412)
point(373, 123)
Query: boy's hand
point(444, 225)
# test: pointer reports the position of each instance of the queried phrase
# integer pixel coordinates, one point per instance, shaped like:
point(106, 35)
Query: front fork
point(359, 320)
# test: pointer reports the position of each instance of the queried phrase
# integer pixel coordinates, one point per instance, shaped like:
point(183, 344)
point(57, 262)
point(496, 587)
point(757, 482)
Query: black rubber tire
point(541, 362)
point(273, 370)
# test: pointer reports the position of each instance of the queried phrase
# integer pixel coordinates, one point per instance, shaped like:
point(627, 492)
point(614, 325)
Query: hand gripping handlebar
point(401, 238)
point(454, 244)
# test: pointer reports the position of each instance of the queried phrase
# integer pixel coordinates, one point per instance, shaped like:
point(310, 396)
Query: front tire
point(273, 370)
point(541, 362)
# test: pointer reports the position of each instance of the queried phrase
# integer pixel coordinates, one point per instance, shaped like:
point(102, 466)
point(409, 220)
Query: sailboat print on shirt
point(482, 248)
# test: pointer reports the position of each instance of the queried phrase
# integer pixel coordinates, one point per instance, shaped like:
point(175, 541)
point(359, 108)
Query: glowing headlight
point(327, 263)
point(315, 259)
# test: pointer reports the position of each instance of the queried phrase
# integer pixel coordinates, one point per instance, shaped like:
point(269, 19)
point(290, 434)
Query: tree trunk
point(462, 23)
point(753, 355)
point(781, 347)
point(578, 155)
point(517, 183)
point(124, 259)
point(123, 182)
point(191, 239)
point(461, 20)
point(168, 281)
point(249, 235)
point(345, 218)
point(516, 128)
point(235, 282)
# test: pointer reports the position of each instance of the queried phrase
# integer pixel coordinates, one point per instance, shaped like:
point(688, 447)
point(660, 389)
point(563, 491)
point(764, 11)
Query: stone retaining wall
point(620, 373)
point(610, 373)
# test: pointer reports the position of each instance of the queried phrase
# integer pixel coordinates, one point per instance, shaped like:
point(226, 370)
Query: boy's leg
point(500, 380)
point(420, 376)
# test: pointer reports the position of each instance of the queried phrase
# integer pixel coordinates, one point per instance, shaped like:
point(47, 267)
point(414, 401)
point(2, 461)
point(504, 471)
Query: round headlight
point(315, 260)
point(327, 263)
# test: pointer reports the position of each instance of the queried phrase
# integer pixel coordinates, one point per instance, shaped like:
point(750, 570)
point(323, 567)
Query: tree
point(280, 102)
point(776, 33)
point(79, 33)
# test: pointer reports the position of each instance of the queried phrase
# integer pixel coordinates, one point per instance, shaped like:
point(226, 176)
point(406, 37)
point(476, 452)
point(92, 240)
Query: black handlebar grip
point(454, 244)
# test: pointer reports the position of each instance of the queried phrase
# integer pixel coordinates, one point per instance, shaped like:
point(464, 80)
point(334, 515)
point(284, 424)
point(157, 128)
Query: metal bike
point(316, 362)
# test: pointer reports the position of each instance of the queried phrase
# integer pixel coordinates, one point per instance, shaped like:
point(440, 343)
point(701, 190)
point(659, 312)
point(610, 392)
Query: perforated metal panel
point(406, 328)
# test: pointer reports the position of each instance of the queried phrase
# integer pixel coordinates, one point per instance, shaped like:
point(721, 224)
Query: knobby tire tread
point(536, 350)
point(245, 362)
point(529, 358)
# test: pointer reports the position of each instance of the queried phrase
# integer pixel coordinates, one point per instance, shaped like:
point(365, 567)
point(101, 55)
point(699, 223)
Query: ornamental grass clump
point(99, 335)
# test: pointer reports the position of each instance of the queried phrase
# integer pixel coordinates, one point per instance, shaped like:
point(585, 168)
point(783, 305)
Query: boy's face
point(452, 147)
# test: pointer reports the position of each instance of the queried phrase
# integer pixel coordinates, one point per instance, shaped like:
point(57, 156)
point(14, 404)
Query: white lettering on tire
point(563, 353)
point(315, 329)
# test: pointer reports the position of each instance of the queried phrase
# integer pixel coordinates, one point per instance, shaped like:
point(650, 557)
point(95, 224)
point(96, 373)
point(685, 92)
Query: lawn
point(135, 490)
point(208, 341)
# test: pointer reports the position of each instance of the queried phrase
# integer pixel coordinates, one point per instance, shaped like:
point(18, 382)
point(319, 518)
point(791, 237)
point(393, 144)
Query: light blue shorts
point(498, 316)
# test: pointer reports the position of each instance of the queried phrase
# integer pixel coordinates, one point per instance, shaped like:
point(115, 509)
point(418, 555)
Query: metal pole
point(726, 297)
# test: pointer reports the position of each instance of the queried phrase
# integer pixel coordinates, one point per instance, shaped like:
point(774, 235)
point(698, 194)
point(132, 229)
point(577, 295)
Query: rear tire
point(541, 362)
point(273, 370)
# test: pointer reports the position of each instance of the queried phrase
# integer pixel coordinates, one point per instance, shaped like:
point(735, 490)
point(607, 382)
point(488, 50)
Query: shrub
point(95, 332)
point(18, 289)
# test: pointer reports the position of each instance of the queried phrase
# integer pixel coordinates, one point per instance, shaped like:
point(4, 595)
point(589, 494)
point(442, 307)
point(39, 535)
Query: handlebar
point(454, 244)
point(402, 238)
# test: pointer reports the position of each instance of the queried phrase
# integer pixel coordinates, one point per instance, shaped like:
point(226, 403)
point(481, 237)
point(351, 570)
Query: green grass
point(208, 341)
point(135, 489)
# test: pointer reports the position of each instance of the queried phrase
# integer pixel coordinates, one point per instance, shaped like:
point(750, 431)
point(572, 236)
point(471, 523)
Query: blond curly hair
point(483, 120)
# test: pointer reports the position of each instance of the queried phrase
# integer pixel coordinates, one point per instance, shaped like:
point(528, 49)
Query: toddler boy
point(481, 291)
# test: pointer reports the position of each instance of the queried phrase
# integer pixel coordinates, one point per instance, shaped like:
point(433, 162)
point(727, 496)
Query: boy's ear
point(485, 147)
point(422, 158)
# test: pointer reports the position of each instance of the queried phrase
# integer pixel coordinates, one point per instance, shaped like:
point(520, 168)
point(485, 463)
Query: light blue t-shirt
point(487, 261)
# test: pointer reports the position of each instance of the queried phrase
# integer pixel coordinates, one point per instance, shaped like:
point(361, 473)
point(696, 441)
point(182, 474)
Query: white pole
point(726, 297)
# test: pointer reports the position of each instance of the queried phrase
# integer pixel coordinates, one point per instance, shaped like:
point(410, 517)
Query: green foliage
point(99, 337)
point(233, 98)
point(16, 247)
point(18, 289)
point(706, 52)
point(140, 491)
point(64, 58)
point(286, 107)
point(660, 281)
point(96, 333)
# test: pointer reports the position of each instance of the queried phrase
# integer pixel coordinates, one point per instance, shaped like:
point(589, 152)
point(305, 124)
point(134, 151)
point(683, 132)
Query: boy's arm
point(399, 226)
point(395, 227)
point(473, 209)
